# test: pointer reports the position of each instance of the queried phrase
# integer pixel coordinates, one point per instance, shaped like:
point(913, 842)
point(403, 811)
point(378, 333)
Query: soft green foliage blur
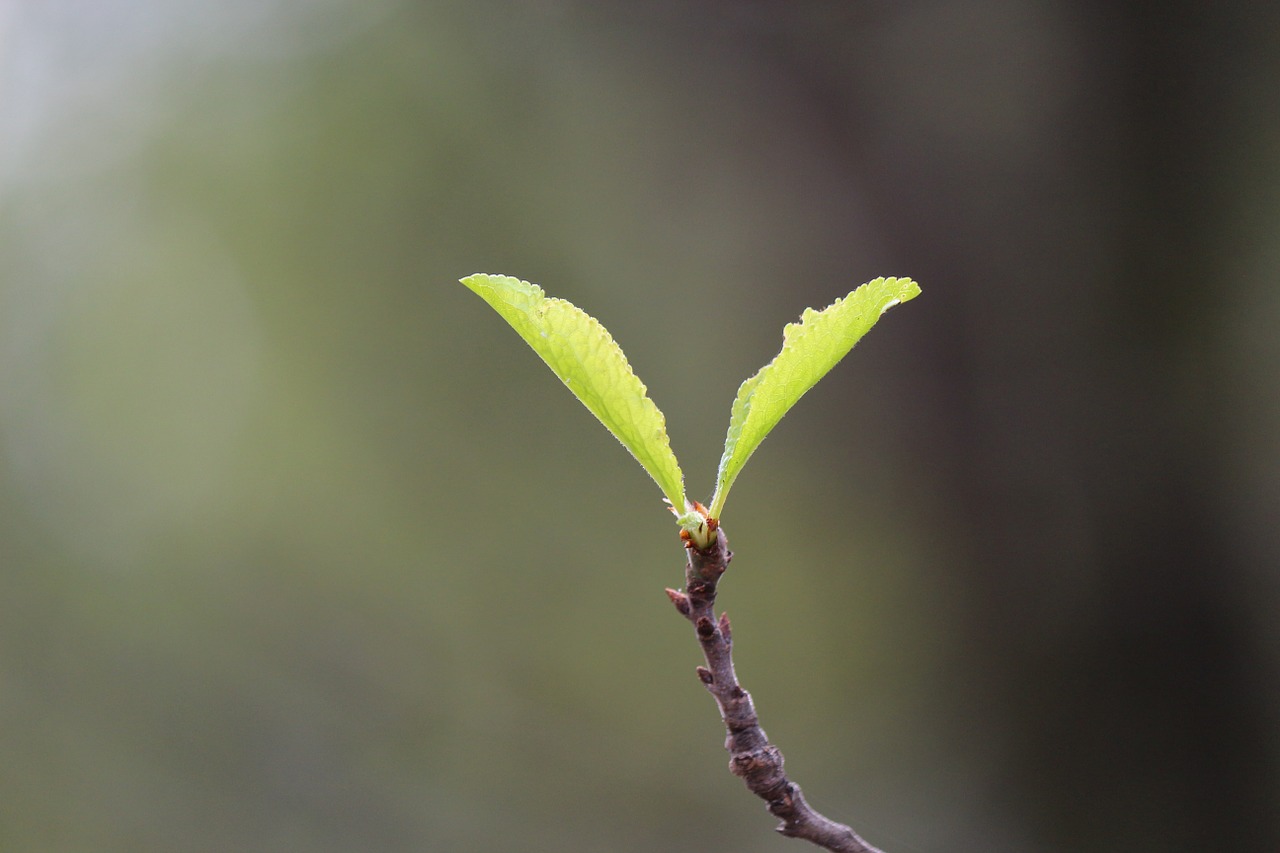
point(810, 349)
point(292, 550)
point(585, 357)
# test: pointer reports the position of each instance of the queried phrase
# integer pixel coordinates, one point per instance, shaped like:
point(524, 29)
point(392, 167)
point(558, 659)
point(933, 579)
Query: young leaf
point(582, 353)
point(810, 348)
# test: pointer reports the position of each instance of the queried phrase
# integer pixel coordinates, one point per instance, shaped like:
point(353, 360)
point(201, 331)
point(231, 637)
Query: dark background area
point(301, 547)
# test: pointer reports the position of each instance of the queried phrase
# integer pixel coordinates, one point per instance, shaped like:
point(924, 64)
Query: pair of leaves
point(584, 355)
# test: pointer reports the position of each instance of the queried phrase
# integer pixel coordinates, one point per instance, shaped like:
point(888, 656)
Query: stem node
point(752, 758)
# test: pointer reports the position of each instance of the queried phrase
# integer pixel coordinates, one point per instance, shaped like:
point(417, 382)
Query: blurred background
point(302, 549)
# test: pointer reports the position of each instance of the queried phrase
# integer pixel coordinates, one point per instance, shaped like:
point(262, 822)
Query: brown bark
point(752, 757)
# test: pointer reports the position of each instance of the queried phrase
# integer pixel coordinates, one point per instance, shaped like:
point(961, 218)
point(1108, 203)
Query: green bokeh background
point(302, 549)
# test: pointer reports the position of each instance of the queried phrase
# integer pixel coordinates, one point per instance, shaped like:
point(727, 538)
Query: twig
point(752, 757)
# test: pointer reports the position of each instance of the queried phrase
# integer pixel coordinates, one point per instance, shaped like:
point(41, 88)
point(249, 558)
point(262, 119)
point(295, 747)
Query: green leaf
point(810, 349)
point(582, 353)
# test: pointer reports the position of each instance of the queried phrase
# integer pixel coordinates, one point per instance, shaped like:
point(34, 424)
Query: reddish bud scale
point(680, 600)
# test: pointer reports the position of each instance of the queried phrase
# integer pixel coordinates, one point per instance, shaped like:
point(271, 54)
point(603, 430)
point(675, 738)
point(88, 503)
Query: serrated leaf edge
point(536, 312)
point(792, 334)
